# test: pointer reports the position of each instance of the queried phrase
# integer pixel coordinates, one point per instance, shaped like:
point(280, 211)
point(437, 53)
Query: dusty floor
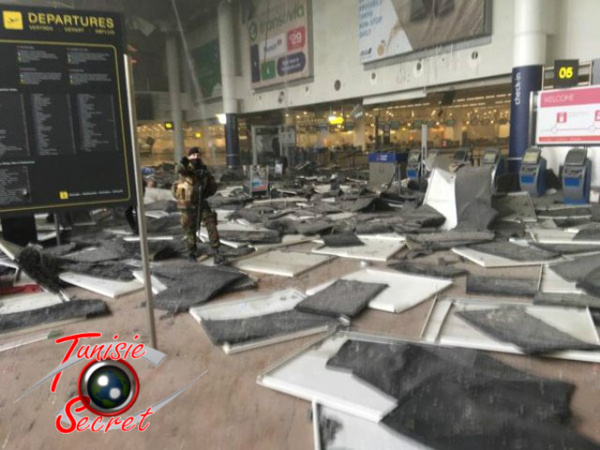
point(225, 409)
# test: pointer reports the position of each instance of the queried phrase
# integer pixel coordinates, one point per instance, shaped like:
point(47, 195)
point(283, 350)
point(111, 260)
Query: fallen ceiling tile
point(515, 207)
point(574, 300)
point(551, 282)
point(306, 376)
point(491, 391)
point(282, 263)
point(431, 270)
point(404, 292)
point(441, 196)
point(24, 302)
point(342, 240)
point(344, 298)
point(487, 260)
point(102, 286)
point(274, 302)
point(557, 236)
point(334, 429)
point(157, 285)
point(374, 249)
point(278, 325)
point(520, 253)
point(514, 325)
point(55, 313)
point(444, 327)
point(200, 286)
point(517, 287)
point(591, 283)
point(577, 268)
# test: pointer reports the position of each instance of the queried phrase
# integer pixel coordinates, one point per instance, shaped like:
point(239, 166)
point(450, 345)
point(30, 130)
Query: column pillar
point(172, 50)
point(529, 53)
point(226, 21)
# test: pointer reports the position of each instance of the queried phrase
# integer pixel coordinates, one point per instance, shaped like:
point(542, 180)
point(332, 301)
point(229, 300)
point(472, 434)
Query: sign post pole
point(141, 209)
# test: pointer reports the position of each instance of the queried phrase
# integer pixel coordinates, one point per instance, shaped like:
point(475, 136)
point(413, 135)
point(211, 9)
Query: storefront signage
point(64, 117)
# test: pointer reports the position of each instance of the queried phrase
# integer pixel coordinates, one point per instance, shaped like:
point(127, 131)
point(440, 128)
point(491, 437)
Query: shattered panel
point(237, 331)
point(577, 269)
point(431, 270)
point(342, 240)
point(517, 287)
point(63, 311)
point(530, 334)
point(343, 298)
point(199, 286)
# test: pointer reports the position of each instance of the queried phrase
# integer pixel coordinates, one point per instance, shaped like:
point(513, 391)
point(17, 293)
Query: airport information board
point(568, 116)
point(64, 117)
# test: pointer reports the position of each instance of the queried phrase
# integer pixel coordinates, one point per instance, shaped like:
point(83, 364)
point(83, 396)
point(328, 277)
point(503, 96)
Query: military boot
point(218, 258)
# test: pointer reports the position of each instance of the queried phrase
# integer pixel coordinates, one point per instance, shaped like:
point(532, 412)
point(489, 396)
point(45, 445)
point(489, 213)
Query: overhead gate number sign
point(569, 116)
point(64, 117)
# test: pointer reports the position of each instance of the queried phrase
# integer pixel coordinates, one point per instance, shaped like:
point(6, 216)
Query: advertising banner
point(569, 116)
point(279, 41)
point(393, 27)
point(207, 63)
point(64, 118)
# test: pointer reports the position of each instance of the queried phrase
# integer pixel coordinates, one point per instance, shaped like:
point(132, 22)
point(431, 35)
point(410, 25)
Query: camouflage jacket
point(193, 181)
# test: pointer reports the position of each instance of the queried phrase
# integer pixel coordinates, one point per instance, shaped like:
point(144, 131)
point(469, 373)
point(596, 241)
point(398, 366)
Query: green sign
point(207, 63)
point(267, 70)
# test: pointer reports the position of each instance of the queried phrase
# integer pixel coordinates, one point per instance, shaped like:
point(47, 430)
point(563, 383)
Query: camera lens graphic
point(112, 387)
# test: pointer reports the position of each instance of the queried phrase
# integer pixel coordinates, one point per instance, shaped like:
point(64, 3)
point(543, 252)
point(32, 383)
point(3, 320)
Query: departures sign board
point(64, 116)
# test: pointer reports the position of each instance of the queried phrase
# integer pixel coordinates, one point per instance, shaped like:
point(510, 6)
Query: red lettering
point(126, 423)
point(136, 355)
point(69, 415)
point(117, 351)
point(112, 421)
point(148, 412)
point(75, 338)
point(96, 421)
point(83, 424)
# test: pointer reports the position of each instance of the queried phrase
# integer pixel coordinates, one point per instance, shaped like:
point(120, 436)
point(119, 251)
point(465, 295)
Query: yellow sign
point(64, 195)
point(13, 20)
point(336, 120)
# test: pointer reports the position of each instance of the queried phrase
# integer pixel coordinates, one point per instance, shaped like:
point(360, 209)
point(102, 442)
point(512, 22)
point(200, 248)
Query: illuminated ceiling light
point(222, 118)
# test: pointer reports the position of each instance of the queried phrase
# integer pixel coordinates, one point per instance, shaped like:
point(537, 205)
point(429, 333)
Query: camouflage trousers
point(188, 223)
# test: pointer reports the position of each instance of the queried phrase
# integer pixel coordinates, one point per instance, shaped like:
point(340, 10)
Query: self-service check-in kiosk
point(532, 176)
point(492, 158)
point(577, 177)
point(413, 166)
point(461, 157)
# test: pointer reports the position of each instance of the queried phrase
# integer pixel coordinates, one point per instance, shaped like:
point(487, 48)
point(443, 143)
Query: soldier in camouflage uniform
point(195, 180)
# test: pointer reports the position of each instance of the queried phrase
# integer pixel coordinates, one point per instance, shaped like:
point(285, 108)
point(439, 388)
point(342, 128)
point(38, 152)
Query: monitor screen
point(576, 157)
point(489, 157)
point(531, 157)
point(460, 155)
point(414, 157)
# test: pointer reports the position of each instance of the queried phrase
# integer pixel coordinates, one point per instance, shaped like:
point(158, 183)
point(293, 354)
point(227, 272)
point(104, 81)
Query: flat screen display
point(489, 157)
point(531, 157)
point(576, 157)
